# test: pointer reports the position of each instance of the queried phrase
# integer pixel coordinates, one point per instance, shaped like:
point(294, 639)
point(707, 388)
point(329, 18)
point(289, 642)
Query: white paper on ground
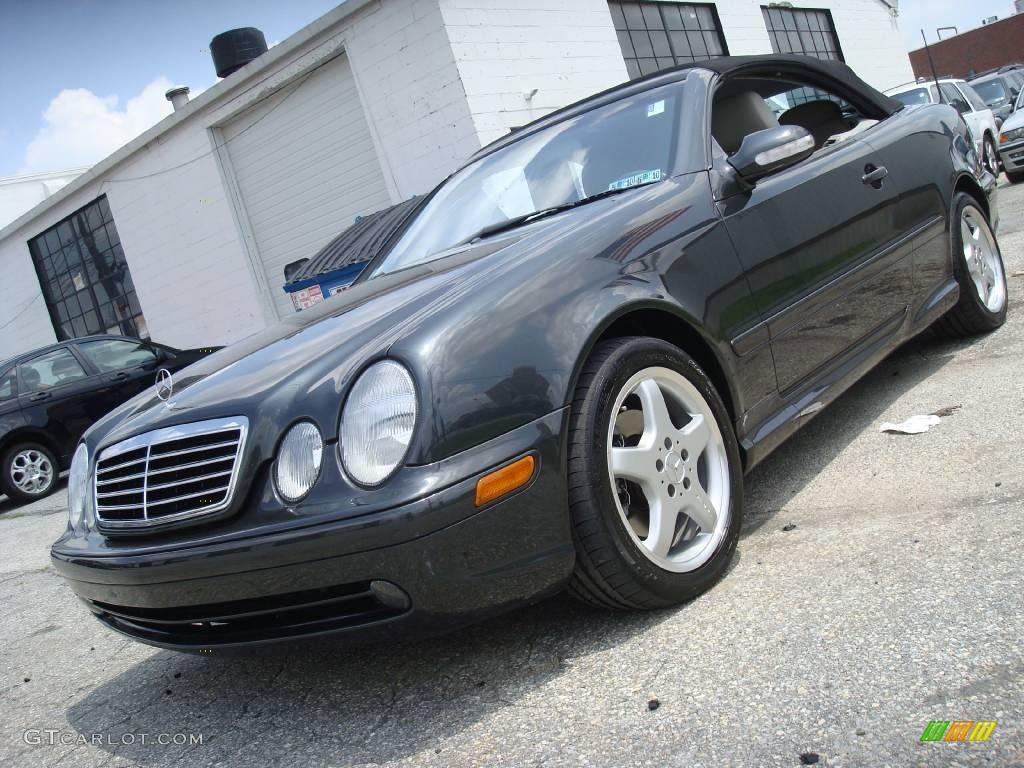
point(915, 425)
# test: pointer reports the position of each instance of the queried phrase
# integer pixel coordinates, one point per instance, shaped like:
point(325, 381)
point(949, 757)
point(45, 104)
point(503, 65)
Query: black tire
point(7, 479)
point(611, 571)
point(970, 316)
point(1015, 178)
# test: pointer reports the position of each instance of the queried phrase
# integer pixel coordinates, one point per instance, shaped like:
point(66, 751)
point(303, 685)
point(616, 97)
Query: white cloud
point(81, 128)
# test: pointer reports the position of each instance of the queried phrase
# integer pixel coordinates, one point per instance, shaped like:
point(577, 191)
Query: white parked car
point(959, 94)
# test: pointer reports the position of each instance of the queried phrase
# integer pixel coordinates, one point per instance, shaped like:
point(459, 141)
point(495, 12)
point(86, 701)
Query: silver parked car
point(1011, 142)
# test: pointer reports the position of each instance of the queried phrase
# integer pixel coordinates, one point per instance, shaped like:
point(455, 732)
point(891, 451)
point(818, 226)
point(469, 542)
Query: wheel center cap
point(675, 468)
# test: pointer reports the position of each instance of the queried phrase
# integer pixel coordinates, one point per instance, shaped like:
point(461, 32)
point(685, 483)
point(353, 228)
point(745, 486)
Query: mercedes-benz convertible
point(552, 377)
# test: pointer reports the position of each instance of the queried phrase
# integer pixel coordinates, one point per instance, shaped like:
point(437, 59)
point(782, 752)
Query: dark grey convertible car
point(554, 376)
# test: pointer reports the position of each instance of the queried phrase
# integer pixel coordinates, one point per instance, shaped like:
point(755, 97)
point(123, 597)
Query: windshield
point(991, 91)
point(910, 98)
point(621, 145)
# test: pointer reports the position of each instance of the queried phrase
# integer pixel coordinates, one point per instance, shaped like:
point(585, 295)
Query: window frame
point(797, 14)
point(10, 374)
point(138, 343)
point(86, 367)
point(660, 8)
point(85, 249)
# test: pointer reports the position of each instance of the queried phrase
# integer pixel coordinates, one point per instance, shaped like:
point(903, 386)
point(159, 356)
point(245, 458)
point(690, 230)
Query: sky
point(82, 77)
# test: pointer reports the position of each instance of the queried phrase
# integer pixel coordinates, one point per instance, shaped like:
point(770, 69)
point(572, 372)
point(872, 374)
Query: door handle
point(39, 396)
point(874, 176)
point(120, 376)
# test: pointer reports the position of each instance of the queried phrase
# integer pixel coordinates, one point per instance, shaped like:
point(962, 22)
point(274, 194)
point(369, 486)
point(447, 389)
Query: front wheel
point(29, 472)
point(978, 268)
point(655, 482)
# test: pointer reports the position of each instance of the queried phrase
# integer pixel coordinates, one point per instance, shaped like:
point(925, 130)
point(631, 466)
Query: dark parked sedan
point(554, 376)
point(50, 396)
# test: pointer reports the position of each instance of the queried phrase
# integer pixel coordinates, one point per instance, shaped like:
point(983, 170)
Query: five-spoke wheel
point(668, 469)
point(655, 489)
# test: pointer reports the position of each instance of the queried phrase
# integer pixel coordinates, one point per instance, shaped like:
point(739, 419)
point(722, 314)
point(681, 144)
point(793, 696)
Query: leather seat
point(823, 118)
point(735, 117)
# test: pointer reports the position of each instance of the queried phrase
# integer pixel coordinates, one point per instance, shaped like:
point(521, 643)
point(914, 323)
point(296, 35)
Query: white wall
point(19, 194)
point(868, 35)
point(565, 49)
point(410, 86)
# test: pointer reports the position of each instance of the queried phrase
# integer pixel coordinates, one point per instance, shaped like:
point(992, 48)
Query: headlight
point(78, 486)
point(1006, 136)
point(377, 422)
point(298, 461)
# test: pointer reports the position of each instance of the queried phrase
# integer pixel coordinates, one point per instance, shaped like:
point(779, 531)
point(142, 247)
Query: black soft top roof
point(807, 68)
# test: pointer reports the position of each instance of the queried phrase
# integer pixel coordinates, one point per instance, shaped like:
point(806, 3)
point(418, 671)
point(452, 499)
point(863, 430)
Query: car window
point(992, 92)
point(954, 98)
point(49, 370)
point(8, 389)
point(913, 97)
point(619, 145)
point(973, 98)
point(115, 354)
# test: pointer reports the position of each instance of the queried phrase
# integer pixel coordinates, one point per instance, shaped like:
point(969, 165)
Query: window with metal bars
point(657, 35)
point(809, 32)
point(84, 276)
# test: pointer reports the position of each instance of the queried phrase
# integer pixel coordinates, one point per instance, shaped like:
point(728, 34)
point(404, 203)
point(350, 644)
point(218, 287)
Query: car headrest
point(735, 117)
point(30, 376)
point(823, 118)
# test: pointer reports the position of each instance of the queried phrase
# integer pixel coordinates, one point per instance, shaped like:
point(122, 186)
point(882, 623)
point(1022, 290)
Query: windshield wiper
point(517, 221)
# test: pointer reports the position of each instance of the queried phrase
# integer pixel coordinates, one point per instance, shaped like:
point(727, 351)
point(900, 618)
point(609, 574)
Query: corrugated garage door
point(306, 167)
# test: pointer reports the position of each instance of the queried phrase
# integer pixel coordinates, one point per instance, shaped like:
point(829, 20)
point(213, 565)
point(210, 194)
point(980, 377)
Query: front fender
point(509, 350)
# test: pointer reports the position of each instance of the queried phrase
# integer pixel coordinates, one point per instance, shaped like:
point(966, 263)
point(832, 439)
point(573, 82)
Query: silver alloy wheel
point(991, 159)
point(32, 471)
point(669, 469)
point(982, 256)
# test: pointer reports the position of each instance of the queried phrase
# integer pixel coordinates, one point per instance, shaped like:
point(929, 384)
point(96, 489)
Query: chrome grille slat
point(207, 485)
point(119, 466)
point(183, 497)
point(190, 465)
point(215, 446)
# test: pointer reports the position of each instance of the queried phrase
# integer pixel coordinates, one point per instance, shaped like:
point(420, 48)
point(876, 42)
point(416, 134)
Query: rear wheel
point(978, 266)
point(29, 472)
point(655, 483)
point(991, 157)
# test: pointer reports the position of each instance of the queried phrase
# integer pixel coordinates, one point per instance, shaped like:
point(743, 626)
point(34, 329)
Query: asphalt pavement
point(877, 586)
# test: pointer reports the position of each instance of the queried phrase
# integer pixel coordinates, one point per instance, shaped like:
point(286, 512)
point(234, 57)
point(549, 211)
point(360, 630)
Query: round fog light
point(298, 461)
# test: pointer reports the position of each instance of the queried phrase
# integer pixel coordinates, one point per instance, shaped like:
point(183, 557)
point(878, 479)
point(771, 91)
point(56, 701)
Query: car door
point(60, 396)
point(974, 119)
point(820, 246)
point(127, 366)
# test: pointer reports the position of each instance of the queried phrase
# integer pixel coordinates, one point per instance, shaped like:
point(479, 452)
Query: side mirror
point(765, 152)
point(960, 106)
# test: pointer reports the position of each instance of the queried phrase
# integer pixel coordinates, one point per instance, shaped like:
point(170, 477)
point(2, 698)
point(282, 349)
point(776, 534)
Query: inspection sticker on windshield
point(656, 108)
point(644, 177)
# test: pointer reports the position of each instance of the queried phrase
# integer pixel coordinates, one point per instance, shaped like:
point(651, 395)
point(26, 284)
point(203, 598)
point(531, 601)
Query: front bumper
point(295, 583)
point(1012, 156)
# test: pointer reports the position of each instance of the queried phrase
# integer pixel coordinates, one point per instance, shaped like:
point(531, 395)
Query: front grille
point(169, 474)
point(250, 620)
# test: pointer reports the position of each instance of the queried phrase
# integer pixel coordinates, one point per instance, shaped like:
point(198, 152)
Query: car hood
point(1014, 121)
point(310, 357)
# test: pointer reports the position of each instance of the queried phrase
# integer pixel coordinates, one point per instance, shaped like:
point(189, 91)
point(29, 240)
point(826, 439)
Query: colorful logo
point(958, 730)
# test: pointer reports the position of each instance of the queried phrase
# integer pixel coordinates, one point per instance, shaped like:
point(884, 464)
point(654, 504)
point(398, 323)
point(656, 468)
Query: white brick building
point(374, 102)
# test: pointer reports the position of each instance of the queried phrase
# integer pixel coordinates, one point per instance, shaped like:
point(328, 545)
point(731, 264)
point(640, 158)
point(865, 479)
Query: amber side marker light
point(505, 480)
